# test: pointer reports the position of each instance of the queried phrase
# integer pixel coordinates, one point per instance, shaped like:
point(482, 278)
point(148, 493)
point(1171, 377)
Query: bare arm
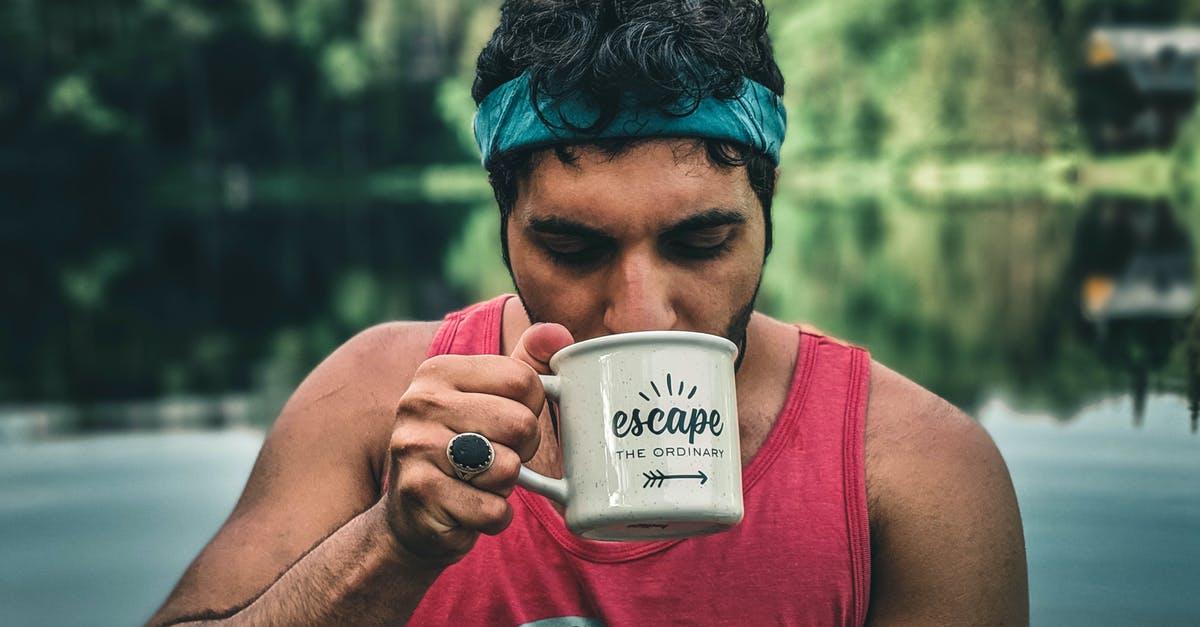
point(356, 576)
point(304, 533)
point(946, 538)
point(311, 542)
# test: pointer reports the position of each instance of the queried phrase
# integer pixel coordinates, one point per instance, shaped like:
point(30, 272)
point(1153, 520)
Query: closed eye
point(707, 243)
point(574, 250)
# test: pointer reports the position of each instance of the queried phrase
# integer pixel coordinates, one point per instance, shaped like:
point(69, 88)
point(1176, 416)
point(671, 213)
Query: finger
point(423, 470)
point(484, 374)
point(450, 502)
point(440, 515)
point(501, 420)
point(478, 510)
point(501, 477)
point(426, 444)
point(420, 444)
point(539, 343)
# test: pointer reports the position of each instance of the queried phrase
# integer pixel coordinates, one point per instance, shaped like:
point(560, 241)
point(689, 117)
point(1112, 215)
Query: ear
point(775, 185)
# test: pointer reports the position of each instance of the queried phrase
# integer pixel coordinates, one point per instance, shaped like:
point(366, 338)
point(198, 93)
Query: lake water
point(96, 530)
point(1111, 512)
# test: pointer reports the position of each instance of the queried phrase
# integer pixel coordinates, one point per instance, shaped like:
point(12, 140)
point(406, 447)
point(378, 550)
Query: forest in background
point(204, 196)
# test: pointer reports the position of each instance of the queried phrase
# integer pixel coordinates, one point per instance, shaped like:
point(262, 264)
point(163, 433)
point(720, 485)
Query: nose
point(639, 295)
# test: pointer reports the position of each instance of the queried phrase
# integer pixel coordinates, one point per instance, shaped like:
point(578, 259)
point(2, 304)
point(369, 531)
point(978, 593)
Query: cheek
point(720, 290)
point(550, 293)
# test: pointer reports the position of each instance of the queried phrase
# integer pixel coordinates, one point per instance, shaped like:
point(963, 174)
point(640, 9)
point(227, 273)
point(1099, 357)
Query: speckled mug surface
point(649, 436)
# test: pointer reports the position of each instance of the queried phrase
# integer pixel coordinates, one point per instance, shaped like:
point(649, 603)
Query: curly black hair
point(669, 54)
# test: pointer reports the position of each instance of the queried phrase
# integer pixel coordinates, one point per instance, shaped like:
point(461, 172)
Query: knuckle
point(507, 468)
point(434, 366)
point(419, 402)
point(438, 371)
point(494, 510)
point(525, 380)
point(514, 428)
point(517, 379)
point(525, 428)
point(418, 484)
point(399, 445)
point(412, 440)
point(403, 445)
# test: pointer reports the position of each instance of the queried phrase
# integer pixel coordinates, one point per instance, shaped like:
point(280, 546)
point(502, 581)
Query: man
point(633, 150)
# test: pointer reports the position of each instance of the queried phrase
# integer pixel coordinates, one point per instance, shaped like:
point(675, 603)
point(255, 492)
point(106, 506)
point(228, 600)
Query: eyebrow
point(557, 225)
point(706, 220)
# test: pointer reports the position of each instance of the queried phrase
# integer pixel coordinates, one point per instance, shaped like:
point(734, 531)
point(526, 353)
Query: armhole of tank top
point(793, 407)
point(493, 326)
point(443, 340)
point(854, 472)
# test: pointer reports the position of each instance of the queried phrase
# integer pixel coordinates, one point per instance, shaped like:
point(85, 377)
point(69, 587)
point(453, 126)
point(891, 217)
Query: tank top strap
point(471, 331)
point(819, 435)
point(836, 411)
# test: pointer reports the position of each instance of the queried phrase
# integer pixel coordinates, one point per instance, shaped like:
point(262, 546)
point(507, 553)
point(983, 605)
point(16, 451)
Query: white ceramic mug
point(649, 435)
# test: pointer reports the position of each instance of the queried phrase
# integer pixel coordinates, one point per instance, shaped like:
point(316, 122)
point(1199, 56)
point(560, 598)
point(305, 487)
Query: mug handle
point(556, 489)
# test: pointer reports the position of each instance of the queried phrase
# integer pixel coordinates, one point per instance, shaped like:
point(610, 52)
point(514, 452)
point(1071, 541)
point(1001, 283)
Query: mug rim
point(692, 338)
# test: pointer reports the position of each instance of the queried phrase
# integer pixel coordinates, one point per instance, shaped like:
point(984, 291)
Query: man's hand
point(432, 513)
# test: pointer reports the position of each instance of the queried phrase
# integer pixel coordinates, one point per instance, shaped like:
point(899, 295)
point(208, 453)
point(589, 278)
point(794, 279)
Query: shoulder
point(375, 359)
point(351, 396)
point(389, 346)
point(335, 426)
point(946, 538)
point(912, 434)
point(902, 417)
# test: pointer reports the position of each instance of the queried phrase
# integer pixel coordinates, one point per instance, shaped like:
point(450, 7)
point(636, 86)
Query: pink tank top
point(801, 555)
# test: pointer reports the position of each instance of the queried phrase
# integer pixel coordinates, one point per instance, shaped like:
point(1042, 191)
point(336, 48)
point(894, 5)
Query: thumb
point(539, 343)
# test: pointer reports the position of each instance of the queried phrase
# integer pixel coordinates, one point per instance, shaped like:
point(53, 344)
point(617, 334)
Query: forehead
point(657, 181)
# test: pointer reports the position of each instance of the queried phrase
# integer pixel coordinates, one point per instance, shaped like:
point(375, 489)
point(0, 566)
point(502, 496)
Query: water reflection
point(1138, 86)
point(1053, 305)
point(210, 301)
point(1132, 260)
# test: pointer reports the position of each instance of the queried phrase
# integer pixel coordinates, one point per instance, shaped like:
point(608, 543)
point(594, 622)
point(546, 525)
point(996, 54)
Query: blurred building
point(1133, 262)
point(1138, 85)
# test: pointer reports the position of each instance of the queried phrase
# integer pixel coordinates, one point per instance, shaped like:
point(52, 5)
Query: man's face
point(654, 238)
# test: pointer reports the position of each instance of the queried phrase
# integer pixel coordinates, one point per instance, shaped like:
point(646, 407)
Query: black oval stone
point(470, 451)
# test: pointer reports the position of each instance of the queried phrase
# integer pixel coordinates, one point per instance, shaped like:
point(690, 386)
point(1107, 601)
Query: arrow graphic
point(656, 478)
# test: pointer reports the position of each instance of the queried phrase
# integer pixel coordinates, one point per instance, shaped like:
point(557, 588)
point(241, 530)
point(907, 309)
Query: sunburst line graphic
point(670, 389)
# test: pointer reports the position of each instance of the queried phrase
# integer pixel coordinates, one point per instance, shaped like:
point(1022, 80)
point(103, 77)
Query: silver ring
point(470, 454)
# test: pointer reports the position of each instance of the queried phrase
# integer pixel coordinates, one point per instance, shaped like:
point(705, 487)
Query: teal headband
point(506, 120)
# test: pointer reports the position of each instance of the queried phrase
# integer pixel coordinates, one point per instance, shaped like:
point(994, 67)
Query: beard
point(735, 329)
